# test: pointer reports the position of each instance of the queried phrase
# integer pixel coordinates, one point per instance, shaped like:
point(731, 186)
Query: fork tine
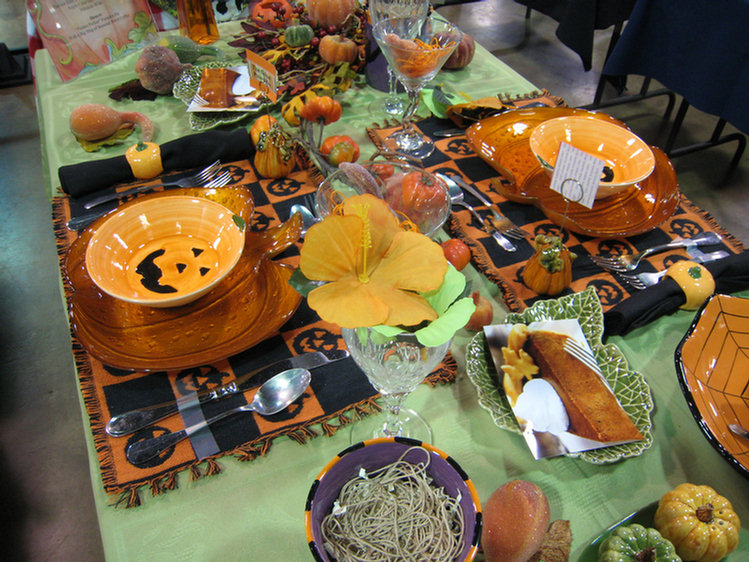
point(633, 282)
point(208, 172)
point(610, 264)
point(583, 355)
point(220, 181)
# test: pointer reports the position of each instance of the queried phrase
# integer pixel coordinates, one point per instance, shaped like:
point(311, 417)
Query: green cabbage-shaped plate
point(628, 385)
point(185, 89)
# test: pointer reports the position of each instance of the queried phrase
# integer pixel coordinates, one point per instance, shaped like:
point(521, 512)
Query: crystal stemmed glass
point(394, 367)
point(383, 9)
point(416, 51)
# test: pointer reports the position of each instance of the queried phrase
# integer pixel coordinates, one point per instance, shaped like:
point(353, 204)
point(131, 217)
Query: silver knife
point(124, 424)
point(477, 194)
point(112, 196)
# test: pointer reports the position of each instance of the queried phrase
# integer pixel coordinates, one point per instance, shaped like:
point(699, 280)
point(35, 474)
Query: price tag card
point(576, 175)
point(263, 75)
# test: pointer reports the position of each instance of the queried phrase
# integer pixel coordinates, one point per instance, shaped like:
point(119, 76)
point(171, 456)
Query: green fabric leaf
point(443, 328)
point(452, 287)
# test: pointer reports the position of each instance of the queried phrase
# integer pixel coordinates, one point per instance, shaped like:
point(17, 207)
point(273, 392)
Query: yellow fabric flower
point(373, 269)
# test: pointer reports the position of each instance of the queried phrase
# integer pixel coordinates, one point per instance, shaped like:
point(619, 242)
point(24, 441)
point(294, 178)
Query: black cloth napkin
point(192, 151)
point(731, 274)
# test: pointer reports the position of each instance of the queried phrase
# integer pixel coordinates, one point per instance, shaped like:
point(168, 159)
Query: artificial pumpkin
point(275, 12)
point(635, 543)
point(337, 48)
point(348, 152)
point(549, 270)
point(321, 109)
point(298, 35)
point(700, 523)
point(274, 157)
point(262, 123)
point(330, 13)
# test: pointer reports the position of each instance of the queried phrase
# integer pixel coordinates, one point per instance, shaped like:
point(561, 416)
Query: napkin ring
point(695, 280)
point(144, 159)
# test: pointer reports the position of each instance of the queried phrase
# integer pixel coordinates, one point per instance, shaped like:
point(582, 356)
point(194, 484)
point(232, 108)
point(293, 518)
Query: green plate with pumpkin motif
point(187, 86)
point(629, 386)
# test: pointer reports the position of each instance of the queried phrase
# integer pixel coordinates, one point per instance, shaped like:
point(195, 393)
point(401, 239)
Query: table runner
point(338, 395)
point(455, 155)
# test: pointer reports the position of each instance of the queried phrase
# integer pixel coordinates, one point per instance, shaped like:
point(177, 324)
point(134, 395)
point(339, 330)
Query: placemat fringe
point(712, 221)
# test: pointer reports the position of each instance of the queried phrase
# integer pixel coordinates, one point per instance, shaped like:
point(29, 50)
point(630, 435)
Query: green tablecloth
point(254, 510)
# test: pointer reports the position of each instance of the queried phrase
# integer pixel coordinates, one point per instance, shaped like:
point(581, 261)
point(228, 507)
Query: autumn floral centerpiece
point(360, 268)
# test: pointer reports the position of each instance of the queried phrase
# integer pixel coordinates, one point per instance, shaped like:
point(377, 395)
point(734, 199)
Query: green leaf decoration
point(94, 146)
point(442, 329)
point(453, 286)
point(301, 283)
point(239, 221)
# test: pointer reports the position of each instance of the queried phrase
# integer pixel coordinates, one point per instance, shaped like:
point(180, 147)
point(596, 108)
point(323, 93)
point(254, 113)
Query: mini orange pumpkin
point(337, 48)
point(274, 157)
point(549, 270)
point(264, 12)
point(321, 109)
point(262, 123)
point(330, 13)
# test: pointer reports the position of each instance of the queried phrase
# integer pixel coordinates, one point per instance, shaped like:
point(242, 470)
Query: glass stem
point(413, 103)
point(393, 404)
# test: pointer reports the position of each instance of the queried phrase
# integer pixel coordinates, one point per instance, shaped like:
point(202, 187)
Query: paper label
point(577, 175)
point(263, 75)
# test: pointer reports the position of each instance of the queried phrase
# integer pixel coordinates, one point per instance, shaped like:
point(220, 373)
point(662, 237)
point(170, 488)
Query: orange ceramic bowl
point(627, 159)
point(165, 252)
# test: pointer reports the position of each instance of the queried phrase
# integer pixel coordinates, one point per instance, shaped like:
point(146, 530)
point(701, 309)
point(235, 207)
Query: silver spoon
point(308, 218)
point(275, 395)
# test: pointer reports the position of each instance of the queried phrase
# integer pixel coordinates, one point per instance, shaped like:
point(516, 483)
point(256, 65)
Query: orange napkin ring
point(145, 160)
point(695, 280)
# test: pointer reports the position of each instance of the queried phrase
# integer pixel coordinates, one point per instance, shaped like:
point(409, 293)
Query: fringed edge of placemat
point(712, 221)
point(509, 297)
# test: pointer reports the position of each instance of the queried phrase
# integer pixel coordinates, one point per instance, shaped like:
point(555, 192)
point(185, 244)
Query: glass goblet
point(416, 51)
point(383, 9)
point(394, 367)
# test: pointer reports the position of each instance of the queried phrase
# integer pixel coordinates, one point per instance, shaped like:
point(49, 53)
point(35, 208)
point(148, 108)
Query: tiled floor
point(46, 488)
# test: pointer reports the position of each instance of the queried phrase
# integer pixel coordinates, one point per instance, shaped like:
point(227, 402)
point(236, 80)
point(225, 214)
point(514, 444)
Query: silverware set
point(209, 177)
point(625, 266)
point(497, 225)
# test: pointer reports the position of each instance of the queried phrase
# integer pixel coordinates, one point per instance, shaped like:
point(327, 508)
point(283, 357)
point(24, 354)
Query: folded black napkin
point(731, 274)
point(192, 151)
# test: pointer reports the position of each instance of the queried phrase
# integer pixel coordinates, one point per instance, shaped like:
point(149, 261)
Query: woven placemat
point(338, 395)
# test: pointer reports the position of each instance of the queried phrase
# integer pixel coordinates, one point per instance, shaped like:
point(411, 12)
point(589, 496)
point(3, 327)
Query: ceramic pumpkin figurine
point(330, 13)
point(700, 523)
point(275, 12)
point(274, 157)
point(549, 270)
point(635, 543)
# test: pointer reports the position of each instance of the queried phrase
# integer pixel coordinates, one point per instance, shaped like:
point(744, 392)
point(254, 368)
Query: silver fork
point(574, 348)
point(501, 222)
point(622, 264)
point(192, 181)
point(456, 198)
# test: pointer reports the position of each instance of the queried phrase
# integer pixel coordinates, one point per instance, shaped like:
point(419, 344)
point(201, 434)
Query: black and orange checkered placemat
point(455, 156)
point(338, 395)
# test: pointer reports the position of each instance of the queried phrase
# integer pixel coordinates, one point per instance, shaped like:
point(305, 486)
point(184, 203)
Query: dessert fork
point(574, 348)
point(623, 264)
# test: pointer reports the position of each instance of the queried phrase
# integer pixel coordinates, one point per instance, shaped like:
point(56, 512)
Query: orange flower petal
point(348, 303)
point(383, 224)
point(405, 308)
point(413, 262)
point(331, 248)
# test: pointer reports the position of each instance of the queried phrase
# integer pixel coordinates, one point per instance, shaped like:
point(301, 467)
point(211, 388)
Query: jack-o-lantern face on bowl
point(165, 252)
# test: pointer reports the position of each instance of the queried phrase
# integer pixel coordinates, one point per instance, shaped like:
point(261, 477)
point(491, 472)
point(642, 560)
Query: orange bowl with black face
point(165, 252)
point(627, 158)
